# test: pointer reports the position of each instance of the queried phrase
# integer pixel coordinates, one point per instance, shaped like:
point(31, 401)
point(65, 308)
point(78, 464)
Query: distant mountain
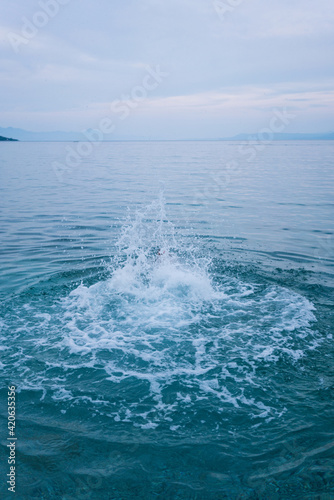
point(59, 136)
point(24, 135)
point(328, 136)
point(6, 139)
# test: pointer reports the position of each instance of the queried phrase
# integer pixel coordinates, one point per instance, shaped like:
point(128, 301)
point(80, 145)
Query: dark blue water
point(166, 318)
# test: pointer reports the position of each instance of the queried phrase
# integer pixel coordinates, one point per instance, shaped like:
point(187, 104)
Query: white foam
point(158, 327)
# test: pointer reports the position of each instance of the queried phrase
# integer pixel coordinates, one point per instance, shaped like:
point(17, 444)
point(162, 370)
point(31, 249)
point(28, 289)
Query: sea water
point(166, 319)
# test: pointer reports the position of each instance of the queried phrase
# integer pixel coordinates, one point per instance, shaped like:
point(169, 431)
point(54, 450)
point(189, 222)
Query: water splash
point(152, 264)
point(169, 335)
point(183, 339)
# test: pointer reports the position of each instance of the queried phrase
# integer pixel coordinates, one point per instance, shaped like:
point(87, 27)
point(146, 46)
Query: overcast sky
point(230, 63)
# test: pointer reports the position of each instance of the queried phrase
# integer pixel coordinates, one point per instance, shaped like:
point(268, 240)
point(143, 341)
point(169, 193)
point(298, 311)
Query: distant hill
point(7, 139)
point(328, 136)
point(24, 135)
point(59, 136)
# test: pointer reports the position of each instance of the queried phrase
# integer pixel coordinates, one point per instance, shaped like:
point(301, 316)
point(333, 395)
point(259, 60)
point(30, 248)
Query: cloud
point(88, 55)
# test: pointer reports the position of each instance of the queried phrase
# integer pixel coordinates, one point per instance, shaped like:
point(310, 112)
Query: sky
point(167, 69)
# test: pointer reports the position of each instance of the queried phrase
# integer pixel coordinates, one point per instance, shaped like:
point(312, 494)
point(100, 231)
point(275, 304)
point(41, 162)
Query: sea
point(166, 320)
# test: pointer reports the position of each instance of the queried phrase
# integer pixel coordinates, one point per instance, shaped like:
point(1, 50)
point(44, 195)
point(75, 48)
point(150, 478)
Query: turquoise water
point(166, 317)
